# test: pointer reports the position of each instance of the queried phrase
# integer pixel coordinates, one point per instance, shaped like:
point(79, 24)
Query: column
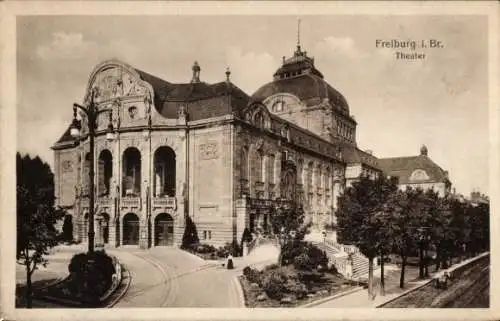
point(143, 233)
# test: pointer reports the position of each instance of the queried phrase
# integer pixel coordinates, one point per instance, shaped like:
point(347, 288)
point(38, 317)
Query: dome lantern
point(196, 72)
point(423, 150)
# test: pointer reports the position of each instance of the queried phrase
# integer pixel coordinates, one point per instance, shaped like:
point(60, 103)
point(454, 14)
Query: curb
point(380, 305)
point(239, 289)
point(122, 294)
point(330, 298)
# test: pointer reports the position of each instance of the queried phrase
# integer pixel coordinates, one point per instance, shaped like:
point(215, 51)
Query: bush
point(304, 255)
point(309, 277)
point(302, 262)
point(190, 237)
point(270, 267)
point(252, 275)
point(247, 236)
point(204, 248)
point(229, 248)
point(274, 284)
point(90, 275)
point(297, 288)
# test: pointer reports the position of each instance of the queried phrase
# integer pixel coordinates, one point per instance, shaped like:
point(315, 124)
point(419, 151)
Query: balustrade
point(165, 202)
point(130, 201)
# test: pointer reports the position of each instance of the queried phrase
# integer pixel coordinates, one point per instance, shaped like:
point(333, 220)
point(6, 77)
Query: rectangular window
point(209, 235)
point(204, 235)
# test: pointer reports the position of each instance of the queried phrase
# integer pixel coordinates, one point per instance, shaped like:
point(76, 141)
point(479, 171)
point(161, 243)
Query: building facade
point(210, 152)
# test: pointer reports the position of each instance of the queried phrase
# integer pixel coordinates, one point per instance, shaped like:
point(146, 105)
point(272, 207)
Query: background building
point(214, 153)
point(418, 172)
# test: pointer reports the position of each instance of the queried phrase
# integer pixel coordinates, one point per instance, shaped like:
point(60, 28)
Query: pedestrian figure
point(230, 264)
point(442, 280)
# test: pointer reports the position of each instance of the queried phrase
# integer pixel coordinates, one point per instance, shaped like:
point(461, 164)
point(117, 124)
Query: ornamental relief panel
point(209, 150)
point(116, 82)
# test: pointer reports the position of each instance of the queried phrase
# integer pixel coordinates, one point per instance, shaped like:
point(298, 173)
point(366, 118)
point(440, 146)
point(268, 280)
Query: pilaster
point(242, 217)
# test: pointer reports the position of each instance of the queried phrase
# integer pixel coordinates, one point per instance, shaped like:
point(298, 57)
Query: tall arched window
point(244, 163)
point(310, 177)
point(131, 172)
point(259, 166)
point(85, 178)
point(270, 169)
point(165, 172)
point(105, 172)
point(318, 177)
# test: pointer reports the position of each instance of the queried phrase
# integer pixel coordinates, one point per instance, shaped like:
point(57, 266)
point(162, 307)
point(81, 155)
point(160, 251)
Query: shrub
point(274, 284)
point(91, 275)
point(203, 248)
point(252, 275)
point(290, 250)
point(317, 256)
point(247, 236)
point(270, 267)
point(302, 262)
point(309, 277)
point(190, 237)
point(229, 248)
point(299, 289)
point(293, 250)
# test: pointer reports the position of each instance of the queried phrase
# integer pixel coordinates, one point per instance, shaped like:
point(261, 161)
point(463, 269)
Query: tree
point(406, 218)
point(289, 226)
point(363, 220)
point(190, 236)
point(36, 216)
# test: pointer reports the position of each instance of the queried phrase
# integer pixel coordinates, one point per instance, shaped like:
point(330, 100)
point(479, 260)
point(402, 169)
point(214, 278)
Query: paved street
point(160, 277)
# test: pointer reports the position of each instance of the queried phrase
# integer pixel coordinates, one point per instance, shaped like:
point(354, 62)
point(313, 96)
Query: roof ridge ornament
point(196, 73)
point(298, 35)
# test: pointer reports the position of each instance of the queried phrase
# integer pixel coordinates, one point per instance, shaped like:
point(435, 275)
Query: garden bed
point(210, 252)
point(298, 287)
point(103, 277)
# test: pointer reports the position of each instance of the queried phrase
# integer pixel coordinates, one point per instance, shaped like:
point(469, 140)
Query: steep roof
point(404, 167)
point(192, 92)
point(353, 155)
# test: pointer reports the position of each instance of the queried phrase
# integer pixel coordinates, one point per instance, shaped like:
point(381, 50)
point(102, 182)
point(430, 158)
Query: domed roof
point(298, 76)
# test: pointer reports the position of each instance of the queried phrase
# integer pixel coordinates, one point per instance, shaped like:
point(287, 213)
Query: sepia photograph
point(258, 159)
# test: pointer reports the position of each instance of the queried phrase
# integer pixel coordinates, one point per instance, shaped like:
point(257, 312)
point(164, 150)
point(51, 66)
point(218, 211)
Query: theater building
point(207, 151)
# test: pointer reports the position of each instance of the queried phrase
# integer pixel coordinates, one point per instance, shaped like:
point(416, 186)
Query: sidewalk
point(360, 299)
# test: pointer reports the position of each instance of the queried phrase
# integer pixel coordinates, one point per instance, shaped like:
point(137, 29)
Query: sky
point(440, 101)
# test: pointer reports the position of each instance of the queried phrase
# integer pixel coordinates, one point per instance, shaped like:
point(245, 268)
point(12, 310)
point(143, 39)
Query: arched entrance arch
point(130, 229)
point(164, 167)
point(164, 230)
point(67, 228)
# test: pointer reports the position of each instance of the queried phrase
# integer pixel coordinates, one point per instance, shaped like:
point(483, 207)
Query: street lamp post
point(92, 113)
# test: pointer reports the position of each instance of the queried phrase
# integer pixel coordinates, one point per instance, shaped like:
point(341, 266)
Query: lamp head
point(110, 133)
point(74, 128)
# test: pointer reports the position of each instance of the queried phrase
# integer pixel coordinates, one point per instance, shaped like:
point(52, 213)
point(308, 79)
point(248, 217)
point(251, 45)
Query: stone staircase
point(341, 255)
